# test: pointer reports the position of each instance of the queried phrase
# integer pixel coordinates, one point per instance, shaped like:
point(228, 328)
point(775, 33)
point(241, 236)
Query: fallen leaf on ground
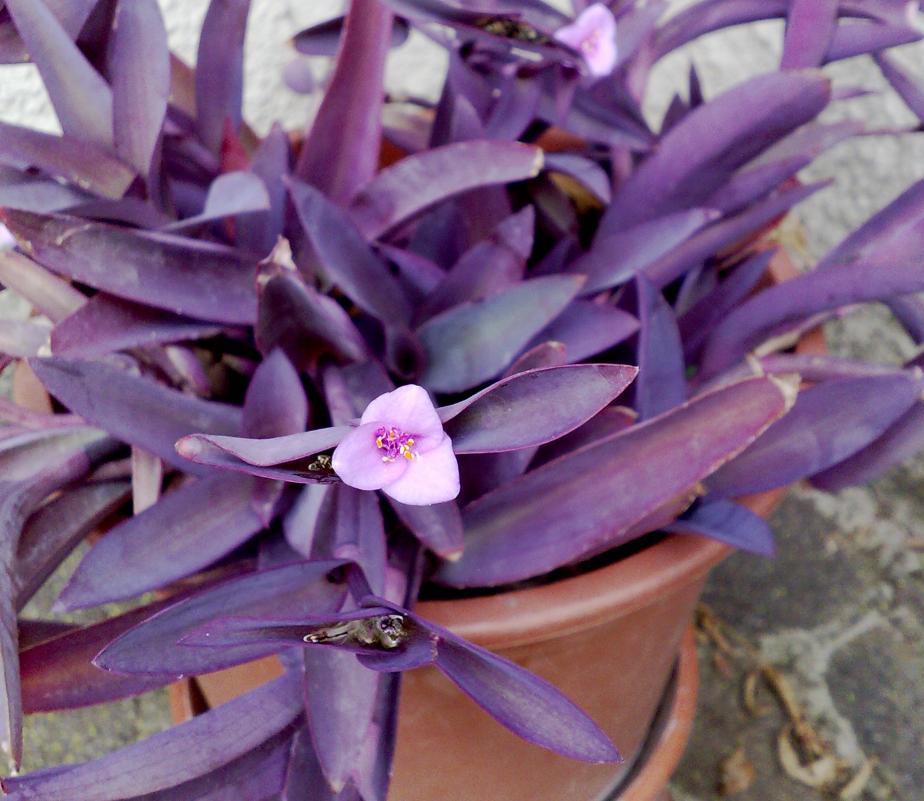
point(736, 772)
point(818, 773)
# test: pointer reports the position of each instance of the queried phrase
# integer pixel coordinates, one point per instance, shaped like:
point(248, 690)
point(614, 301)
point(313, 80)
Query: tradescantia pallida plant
point(315, 387)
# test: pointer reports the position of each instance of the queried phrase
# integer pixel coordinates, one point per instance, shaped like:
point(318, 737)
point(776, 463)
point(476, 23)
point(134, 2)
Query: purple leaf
point(546, 354)
point(614, 259)
point(81, 98)
point(473, 342)
point(340, 696)
point(900, 441)
point(72, 14)
point(700, 319)
point(179, 275)
point(609, 421)
point(661, 383)
point(135, 410)
point(418, 275)
point(583, 170)
point(297, 590)
point(270, 163)
point(727, 522)
point(306, 324)
point(419, 181)
point(186, 530)
point(107, 324)
point(220, 70)
point(275, 404)
point(795, 300)
point(438, 526)
point(486, 268)
point(532, 408)
point(892, 234)
point(527, 705)
point(231, 193)
point(702, 151)
point(347, 259)
point(181, 754)
point(828, 423)
point(59, 673)
point(341, 152)
point(206, 449)
point(815, 368)
point(754, 183)
point(810, 26)
point(139, 63)
point(84, 164)
point(859, 38)
point(715, 238)
point(583, 503)
point(51, 533)
point(587, 328)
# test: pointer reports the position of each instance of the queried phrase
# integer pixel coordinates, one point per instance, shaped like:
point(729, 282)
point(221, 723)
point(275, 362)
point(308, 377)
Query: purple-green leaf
point(184, 276)
point(419, 181)
point(727, 522)
point(810, 26)
point(474, 342)
point(585, 502)
point(661, 383)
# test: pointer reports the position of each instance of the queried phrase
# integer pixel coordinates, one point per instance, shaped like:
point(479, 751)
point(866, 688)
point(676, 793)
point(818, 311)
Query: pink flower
point(593, 34)
point(401, 449)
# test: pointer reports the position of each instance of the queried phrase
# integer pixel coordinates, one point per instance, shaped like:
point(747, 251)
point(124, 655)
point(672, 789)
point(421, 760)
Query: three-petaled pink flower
point(400, 448)
point(593, 34)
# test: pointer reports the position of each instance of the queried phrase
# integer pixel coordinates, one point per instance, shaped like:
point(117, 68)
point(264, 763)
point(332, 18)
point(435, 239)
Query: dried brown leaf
point(751, 703)
point(820, 772)
point(736, 772)
point(855, 787)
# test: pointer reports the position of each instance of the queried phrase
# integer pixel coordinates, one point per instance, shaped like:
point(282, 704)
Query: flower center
point(590, 44)
point(394, 443)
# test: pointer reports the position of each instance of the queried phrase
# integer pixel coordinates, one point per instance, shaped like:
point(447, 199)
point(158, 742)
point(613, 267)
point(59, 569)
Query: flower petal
point(359, 463)
point(408, 408)
point(593, 34)
point(432, 477)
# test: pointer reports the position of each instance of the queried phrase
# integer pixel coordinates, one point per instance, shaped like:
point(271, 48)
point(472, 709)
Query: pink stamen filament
point(395, 443)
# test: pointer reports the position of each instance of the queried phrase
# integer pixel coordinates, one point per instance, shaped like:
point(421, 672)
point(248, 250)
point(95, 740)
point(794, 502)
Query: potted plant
point(516, 391)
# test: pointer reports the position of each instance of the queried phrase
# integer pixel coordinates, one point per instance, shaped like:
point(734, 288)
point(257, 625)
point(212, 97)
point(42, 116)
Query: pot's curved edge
point(581, 602)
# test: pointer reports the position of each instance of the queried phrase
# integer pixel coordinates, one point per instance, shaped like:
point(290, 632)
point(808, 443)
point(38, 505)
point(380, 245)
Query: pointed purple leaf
point(54, 530)
point(59, 674)
point(583, 170)
point(438, 526)
point(702, 151)
point(347, 259)
point(183, 753)
point(83, 164)
point(306, 324)
point(180, 275)
point(527, 705)
point(220, 70)
point(828, 423)
point(186, 530)
point(902, 440)
point(661, 383)
point(796, 300)
point(419, 181)
point(905, 84)
point(50, 295)
point(81, 98)
point(614, 259)
point(275, 404)
point(136, 410)
point(107, 324)
point(323, 39)
point(270, 163)
point(587, 328)
point(486, 268)
point(609, 421)
point(810, 25)
point(230, 194)
point(473, 342)
point(341, 151)
point(727, 522)
point(298, 590)
point(754, 183)
point(139, 63)
point(532, 408)
point(583, 503)
point(859, 38)
point(207, 449)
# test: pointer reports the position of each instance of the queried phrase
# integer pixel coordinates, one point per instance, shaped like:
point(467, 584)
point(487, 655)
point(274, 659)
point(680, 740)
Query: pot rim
point(578, 603)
